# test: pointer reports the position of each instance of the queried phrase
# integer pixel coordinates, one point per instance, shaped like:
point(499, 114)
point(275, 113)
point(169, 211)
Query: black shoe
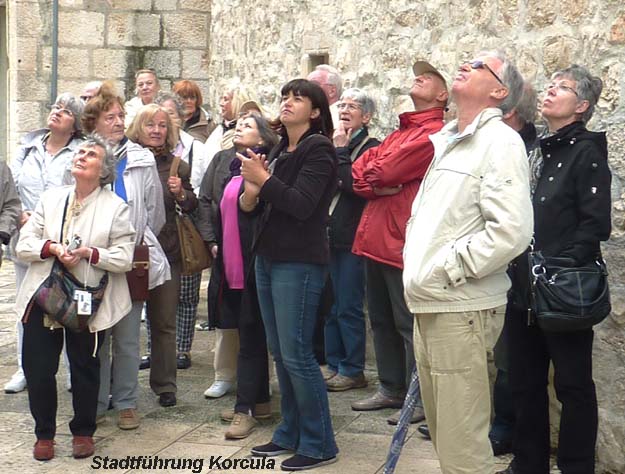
point(424, 430)
point(508, 470)
point(301, 463)
point(203, 326)
point(268, 450)
point(167, 399)
point(183, 361)
point(145, 363)
point(501, 446)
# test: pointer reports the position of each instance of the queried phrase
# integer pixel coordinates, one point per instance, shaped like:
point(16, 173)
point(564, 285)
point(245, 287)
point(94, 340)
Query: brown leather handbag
point(138, 278)
point(195, 256)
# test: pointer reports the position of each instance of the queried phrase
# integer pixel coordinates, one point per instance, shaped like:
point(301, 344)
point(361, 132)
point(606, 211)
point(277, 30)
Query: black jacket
point(571, 203)
point(346, 216)
point(295, 200)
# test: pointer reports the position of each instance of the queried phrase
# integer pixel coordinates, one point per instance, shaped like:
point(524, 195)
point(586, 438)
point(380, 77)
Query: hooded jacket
point(402, 158)
point(471, 217)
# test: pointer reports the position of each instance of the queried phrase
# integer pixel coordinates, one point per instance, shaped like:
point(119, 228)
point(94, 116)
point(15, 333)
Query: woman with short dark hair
point(571, 218)
point(292, 197)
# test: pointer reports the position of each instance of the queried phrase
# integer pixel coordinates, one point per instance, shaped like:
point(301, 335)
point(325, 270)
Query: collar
point(417, 119)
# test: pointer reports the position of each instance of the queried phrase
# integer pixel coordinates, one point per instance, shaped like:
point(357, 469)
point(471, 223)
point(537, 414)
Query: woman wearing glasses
point(42, 159)
point(572, 206)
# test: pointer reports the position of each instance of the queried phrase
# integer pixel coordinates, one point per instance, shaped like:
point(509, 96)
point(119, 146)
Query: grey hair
point(527, 105)
point(511, 78)
point(334, 78)
point(162, 96)
point(367, 104)
point(109, 163)
point(74, 105)
point(588, 87)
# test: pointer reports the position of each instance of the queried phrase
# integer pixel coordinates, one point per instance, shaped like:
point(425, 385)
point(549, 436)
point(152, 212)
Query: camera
point(74, 244)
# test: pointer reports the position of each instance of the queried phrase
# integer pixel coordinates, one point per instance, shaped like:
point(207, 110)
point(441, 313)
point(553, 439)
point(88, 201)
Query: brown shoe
point(44, 449)
point(340, 383)
point(82, 447)
point(241, 427)
point(377, 402)
point(327, 372)
point(262, 411)
point(417, 415)
point(127, 419)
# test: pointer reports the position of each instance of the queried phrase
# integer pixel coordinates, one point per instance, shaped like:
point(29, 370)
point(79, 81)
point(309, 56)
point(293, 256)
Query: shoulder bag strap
point(175, 164)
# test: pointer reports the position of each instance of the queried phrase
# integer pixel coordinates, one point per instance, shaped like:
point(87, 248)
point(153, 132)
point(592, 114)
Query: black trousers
point(40, 358)
point(531, 350)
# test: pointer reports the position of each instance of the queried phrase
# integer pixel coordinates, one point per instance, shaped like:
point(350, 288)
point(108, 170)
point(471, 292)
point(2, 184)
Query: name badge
point(83, 302)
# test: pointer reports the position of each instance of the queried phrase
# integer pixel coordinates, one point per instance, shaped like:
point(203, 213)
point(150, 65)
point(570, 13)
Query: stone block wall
point(373, 43)
point(100, 39)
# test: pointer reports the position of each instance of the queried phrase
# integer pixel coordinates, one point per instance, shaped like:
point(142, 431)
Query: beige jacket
point(102, 222)
point(470, 218)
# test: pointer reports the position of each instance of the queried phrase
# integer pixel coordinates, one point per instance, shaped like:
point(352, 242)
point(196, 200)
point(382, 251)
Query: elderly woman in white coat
point(138, 184)
point(107, 245)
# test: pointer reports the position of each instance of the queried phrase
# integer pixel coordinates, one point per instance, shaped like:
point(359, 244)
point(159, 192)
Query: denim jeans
point(288, 294)
point(345, 325)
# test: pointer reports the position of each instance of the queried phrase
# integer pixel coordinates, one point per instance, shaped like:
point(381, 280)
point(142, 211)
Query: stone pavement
point(192, 429)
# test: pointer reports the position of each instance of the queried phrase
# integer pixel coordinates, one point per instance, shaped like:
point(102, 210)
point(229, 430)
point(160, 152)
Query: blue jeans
point(295, 289)
point(345, 325)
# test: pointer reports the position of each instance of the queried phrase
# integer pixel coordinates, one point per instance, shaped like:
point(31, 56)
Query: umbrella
point(399, 437)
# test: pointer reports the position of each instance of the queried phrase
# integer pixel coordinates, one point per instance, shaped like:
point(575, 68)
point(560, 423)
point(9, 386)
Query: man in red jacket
point(389, 177)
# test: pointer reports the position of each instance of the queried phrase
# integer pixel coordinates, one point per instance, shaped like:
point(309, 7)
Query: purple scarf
point(231, 247)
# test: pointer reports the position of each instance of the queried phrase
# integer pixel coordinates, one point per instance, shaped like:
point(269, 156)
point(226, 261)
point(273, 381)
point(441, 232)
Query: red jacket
point(402, 158)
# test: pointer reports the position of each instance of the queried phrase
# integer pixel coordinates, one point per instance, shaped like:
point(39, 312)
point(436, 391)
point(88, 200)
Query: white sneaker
point(218, 389)
point(17, 383)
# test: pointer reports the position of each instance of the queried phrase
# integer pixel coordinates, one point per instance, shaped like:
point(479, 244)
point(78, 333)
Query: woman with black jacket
point(232, 299)
point(292, 196)
point(571, 217)
point(345, 334)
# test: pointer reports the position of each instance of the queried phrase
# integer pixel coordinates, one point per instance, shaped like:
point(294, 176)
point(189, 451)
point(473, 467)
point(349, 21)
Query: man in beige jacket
point(471, 216)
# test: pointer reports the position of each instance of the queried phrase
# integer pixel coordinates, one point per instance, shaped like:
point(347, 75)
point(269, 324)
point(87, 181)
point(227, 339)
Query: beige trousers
point(452, 352)
point(226, 353)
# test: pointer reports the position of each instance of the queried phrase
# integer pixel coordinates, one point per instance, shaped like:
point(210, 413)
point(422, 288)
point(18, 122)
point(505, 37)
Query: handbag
point(56, 297)
point(138, 278)
point(193, 251)
point(568, 297)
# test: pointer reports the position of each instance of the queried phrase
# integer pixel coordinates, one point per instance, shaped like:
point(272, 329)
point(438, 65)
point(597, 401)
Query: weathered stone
point(27, 115)
point(199, 5)
point(540, 13)
point(28, 20)
point(165, 4)
point(140, 29)
point(166, 63)
point(194, 64)
point(73, 63)
point(71, 3)
point(573, 10)
point(186, 30)
point(81, 28)
point(111, 63)
point(133, 4)
point(558, 53)
point(30, 88)
point(25, 53)
point(612, 75)
point(73, 86)
point(617, 30)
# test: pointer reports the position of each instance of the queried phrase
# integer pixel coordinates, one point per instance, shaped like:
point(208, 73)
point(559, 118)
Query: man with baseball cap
point(389, 176)
point(470, 218)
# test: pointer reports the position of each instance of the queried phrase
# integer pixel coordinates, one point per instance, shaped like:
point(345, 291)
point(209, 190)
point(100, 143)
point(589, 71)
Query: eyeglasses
point(349, 107)
point(477, 64)
point(561, 87)
point(86, 98)
point(56, 108)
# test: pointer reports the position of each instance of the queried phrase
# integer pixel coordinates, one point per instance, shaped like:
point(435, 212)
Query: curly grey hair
point(367, 105)
point(588, 87)
point(162, 96)
point(72, 103)
point(109, 163)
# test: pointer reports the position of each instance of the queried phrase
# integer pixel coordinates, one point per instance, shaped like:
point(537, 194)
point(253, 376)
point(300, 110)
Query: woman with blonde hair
point(154, 130)
point(146, 87)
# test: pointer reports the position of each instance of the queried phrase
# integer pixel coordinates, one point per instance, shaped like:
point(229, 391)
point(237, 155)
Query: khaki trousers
point(452, 352)
point(226, 353)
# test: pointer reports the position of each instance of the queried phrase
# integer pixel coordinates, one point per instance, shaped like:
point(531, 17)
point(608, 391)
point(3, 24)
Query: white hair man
point(331, 82)
point(471, 216)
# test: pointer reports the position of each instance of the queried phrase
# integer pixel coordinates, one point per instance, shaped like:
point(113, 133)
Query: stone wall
point(100, 39)
point(373, 44)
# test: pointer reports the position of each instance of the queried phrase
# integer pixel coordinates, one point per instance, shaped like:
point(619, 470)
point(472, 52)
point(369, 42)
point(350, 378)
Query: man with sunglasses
point(471, 216)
